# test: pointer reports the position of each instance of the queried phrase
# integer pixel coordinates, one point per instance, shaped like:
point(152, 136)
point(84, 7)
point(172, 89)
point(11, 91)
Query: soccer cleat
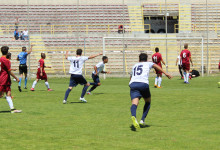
point(49, 90)
point(159, 87)
point(155, 86)
point(187, 82)
point(190, 77)
point(25, 87)
point(142, 123)
point(19, 88)
point(89, 93)
point(182, 77)
point(135, 123)
point(15, 111)
point(32, 89)
point(64, 101)
point(83, 100)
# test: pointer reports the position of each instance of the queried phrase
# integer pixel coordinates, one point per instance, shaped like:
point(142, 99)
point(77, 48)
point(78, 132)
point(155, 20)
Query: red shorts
point(186, 66)
point(43, 77)
point(159, 72)
point(5, 88)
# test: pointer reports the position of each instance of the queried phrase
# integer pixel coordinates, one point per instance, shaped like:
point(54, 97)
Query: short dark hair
point(79, 52)
point(185, 45)
point(8, 55)
point(43, 55)
point(143, 57)
point(4, 50)
point(156, 49)
point(24, 48)
point(104, 58)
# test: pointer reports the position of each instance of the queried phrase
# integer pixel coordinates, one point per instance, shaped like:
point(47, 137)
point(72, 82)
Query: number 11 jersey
point(140, 72)
point(77, 64)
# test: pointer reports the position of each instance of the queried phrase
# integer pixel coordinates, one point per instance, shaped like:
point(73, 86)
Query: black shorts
point(95, 78)
point(77, 79)
point(139, 90)
point(22, 69)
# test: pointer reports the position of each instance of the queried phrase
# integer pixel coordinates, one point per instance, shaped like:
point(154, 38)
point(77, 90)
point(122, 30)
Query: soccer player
point(5, 80)
point(41, 74)
point(157, 59)
point(139, 87)
point(95, 75)
point(185, 58)
point(179, 63)
point(22, 57)
point(76, 73)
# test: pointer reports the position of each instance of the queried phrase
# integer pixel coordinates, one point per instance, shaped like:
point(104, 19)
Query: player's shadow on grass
point(97, 93)
point(141, 126)
point(77, 102)
point(5, 111)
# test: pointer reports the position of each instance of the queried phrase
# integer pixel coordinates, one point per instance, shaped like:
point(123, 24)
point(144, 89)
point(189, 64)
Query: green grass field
point(181, 117)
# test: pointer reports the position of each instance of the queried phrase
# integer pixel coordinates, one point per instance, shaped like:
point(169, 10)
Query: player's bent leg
point(47, 85)
point(86, 86)
point(159, 80)
point(187, 76)
point(134, 105)
point(145, 110)
point(19, 84)
point(67, 94)
point(25, 81)
point(34, 84)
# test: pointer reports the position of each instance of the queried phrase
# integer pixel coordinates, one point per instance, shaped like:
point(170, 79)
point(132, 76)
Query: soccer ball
point(14, 79)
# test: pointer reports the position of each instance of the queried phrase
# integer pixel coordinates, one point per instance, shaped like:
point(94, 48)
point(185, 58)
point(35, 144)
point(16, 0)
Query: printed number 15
point(138, 70)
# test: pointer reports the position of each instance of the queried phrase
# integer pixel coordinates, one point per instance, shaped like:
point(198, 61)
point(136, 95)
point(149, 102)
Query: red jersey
point(41, 64)
point(157, 58)
point(185, 55)
point(4, 71)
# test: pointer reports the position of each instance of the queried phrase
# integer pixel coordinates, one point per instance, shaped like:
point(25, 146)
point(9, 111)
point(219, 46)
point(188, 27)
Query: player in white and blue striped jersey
point(76, 73)
point(139, 86)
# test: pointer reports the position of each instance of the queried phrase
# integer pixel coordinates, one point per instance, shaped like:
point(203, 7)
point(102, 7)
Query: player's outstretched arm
point(93, 56)
point(106, 72)
point(30, 50)
point(13, 75)
point(155, 66)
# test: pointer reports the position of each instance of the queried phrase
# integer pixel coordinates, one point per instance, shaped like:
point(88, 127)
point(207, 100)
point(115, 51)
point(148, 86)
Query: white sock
point(187, 77)
point(184, 75)
point(47, 85)
point(156, 79)
point(34, 84)
point(159, 81)
point(10, 103)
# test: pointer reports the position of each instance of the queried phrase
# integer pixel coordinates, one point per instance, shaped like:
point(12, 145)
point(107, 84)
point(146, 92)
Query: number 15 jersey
point(140, 72)
point(77, 64)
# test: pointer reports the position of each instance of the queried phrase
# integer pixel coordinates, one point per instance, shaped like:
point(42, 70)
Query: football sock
point(94, 83)
point(67, 93)
point(184, 75)
point(34, 84)
point(47, 85)
point(156, 79)
point(84, 91)
point(25, 82)
point(145, 110)
point(92, 88)
point(133, 110)
point(159, 81)
point(187, 77)
point(20, 81)
point(10, 103)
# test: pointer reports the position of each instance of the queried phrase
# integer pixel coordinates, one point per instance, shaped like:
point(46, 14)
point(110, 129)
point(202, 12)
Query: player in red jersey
point(157, 59)
point(5, 80)
point(41, 74)
point(185, 58)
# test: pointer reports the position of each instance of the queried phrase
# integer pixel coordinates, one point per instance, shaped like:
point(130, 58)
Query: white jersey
point(77, 64)
point(140, 72)
point(100, 67)
point(179, 61)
